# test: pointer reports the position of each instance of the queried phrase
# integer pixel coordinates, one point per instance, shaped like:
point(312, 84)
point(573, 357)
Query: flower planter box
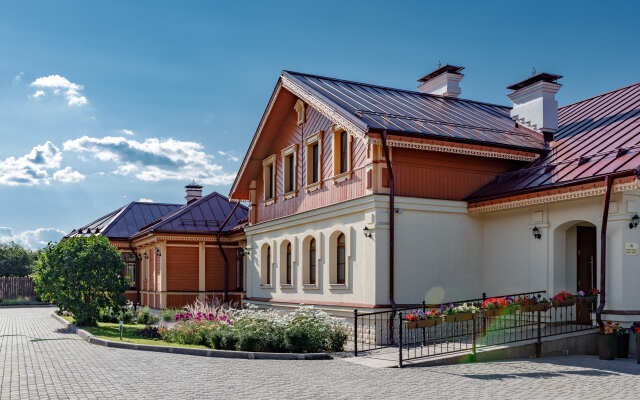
point(459, 317)
point(586, 299)
point(638, 348)
point(535, 307)
point(623, 345)
point(494, 312)
point(564, 303)
point(607, 346)
point(423, 323)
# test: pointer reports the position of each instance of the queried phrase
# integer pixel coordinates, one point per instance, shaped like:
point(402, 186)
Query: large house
point(175, 253)
point(368, 196)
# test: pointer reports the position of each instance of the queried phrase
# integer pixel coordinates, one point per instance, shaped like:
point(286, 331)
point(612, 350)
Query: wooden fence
point(12, 287)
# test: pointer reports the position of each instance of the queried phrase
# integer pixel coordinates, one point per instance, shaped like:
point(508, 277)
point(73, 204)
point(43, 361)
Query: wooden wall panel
point(180, 300)
point(182, 268)
point(447, 176)
point(215, 269)
point(329, 193)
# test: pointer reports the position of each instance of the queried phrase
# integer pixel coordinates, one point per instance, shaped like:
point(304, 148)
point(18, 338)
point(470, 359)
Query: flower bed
point(563, 299)
point(532, 303)
point(462, 312)
point(304, 330)
point(587, 297)
point(496, 305)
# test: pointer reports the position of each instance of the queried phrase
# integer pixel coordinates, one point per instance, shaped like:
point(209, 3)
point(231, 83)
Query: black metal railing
point(388, 328)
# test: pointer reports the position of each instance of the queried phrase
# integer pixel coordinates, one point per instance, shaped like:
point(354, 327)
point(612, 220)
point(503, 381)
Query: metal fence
point(12, 287)
point(388, 329)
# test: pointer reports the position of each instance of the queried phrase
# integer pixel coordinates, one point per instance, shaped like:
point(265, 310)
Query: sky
point(104, 103)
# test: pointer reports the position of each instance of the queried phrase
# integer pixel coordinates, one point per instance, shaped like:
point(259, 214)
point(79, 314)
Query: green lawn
point(130, 334)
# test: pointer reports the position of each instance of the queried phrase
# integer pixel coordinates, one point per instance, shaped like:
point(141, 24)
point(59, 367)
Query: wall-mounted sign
point(631, 249)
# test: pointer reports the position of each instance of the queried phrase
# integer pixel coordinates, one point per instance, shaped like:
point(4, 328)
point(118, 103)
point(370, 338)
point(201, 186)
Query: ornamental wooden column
point(154, 278)
point(163, 274)
point(202, 276)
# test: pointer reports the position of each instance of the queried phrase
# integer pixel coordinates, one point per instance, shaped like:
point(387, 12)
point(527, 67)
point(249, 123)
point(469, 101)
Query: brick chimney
point(194, 192)
point(444, 81)
point(534, 103)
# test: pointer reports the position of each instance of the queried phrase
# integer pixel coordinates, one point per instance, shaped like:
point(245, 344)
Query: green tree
point(16, 260)
point(81, 275)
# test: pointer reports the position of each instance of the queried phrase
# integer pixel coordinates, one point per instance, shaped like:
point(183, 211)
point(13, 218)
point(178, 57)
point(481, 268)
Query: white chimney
point(194, 192)
point(444, 81)
point(534, 102)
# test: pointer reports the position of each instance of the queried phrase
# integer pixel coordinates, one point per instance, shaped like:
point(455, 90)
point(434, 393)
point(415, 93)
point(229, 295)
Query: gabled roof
point(411, 112)
point(205, 215)
point(126, 221)
point(596, 137)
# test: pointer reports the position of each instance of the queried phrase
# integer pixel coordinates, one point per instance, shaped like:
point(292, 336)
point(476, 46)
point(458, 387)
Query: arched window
point(340, 260)
point(265, 264)
point(268, 277)
point(312, 262)
point(288, 264)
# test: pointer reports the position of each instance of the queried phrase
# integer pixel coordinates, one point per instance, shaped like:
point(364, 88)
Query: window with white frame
point(313, 146)
point(265, 265)
point(340, 260)
point(289, 168)
point(341, 154)
point(286, 264)
point(269, 179)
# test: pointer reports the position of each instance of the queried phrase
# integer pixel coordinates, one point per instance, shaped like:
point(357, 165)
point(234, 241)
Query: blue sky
point(104, 103)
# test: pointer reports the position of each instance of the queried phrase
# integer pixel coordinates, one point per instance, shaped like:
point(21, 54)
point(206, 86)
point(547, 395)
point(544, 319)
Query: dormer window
point(269, 179)
point(313, 157)
point(341, 154)
point(289, 168)
point(300, 109)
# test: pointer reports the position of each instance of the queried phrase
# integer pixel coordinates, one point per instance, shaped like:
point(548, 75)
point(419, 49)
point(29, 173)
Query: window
point(341, 154)
point(269, 178)
point(288, 265)
point(240, 269)
point(265, 265)
point(312, 262)
point(130, 268)
point(289, 165)
point(340, 261)
point(314, 161)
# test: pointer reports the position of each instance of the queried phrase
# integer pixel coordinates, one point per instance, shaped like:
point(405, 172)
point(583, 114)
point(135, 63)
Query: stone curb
point(192, 352)
point(25, 305)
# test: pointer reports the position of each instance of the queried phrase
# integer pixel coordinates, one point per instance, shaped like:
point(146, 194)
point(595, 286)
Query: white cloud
point(68, 175)
point(32, 168)
point(18, 78)
point(33, 239)
point(59, 85)
point(144, 200)
point(37, 94)
point(128, 132)
point(228, 155)
point(154, 159)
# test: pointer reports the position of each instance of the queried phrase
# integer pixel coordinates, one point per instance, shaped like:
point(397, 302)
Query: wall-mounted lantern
point(536, 233)
point(146, 256)
point(635, 220)
point(158, 253)
point(367, 232)
point(246, 251)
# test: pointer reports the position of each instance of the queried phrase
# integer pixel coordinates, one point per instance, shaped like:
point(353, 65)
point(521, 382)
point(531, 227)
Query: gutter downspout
point(224, 256)
point(603, 250)
point(392, 209)
point(137, 272)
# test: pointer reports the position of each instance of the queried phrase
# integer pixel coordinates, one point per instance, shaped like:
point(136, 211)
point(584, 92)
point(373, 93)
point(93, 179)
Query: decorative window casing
point(342, 150)
point(266, 266)
point(286, 264)
point(300, 110)
point(289, 171)
point(130, 268)
point(311, 262)
point(269, 179)
point(313, 157)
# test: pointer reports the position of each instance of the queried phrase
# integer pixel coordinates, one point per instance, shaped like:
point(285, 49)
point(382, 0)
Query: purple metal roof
point(595, 137)
point(377, 108)
point(126, 221)
point(205, 215)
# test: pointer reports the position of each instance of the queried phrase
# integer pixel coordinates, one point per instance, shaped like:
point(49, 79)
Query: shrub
point(145, 316)
point(150, 332)
point(81, 275)
point(169, 315)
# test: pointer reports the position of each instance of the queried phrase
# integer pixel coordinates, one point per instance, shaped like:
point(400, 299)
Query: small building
point(368, 196)
point(175, 253)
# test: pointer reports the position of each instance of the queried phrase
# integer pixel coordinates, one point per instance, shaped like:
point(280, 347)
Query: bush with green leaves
point(82, 275)
point(144, 316)
point(109, 314)
point(169, 315)
point(15, 260)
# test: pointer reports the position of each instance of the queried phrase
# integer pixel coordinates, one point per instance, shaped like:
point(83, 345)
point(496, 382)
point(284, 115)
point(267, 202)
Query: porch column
point(201, 270)
point(163, 274)
point(154, 277)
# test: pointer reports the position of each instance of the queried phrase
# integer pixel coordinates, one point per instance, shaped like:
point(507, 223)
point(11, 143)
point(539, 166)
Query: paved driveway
point(40, 360)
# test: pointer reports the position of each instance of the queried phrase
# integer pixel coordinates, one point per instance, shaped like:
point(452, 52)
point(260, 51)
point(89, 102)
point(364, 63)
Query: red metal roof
point(596, 137)
point(378, 108)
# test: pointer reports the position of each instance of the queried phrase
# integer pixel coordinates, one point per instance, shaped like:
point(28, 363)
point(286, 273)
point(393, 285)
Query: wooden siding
point(214, 273)
point(182, 268)
point(329, 193)
point(180, 300)
point(435, 175)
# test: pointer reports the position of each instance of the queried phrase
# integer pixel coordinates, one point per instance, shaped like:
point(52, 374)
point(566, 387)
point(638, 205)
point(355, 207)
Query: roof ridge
point(117, 217)
point(599, 95)
point(397, 89)
point(156, 204)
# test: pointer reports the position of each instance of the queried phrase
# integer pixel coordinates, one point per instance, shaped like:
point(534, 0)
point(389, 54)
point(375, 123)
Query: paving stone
point(42, 360)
